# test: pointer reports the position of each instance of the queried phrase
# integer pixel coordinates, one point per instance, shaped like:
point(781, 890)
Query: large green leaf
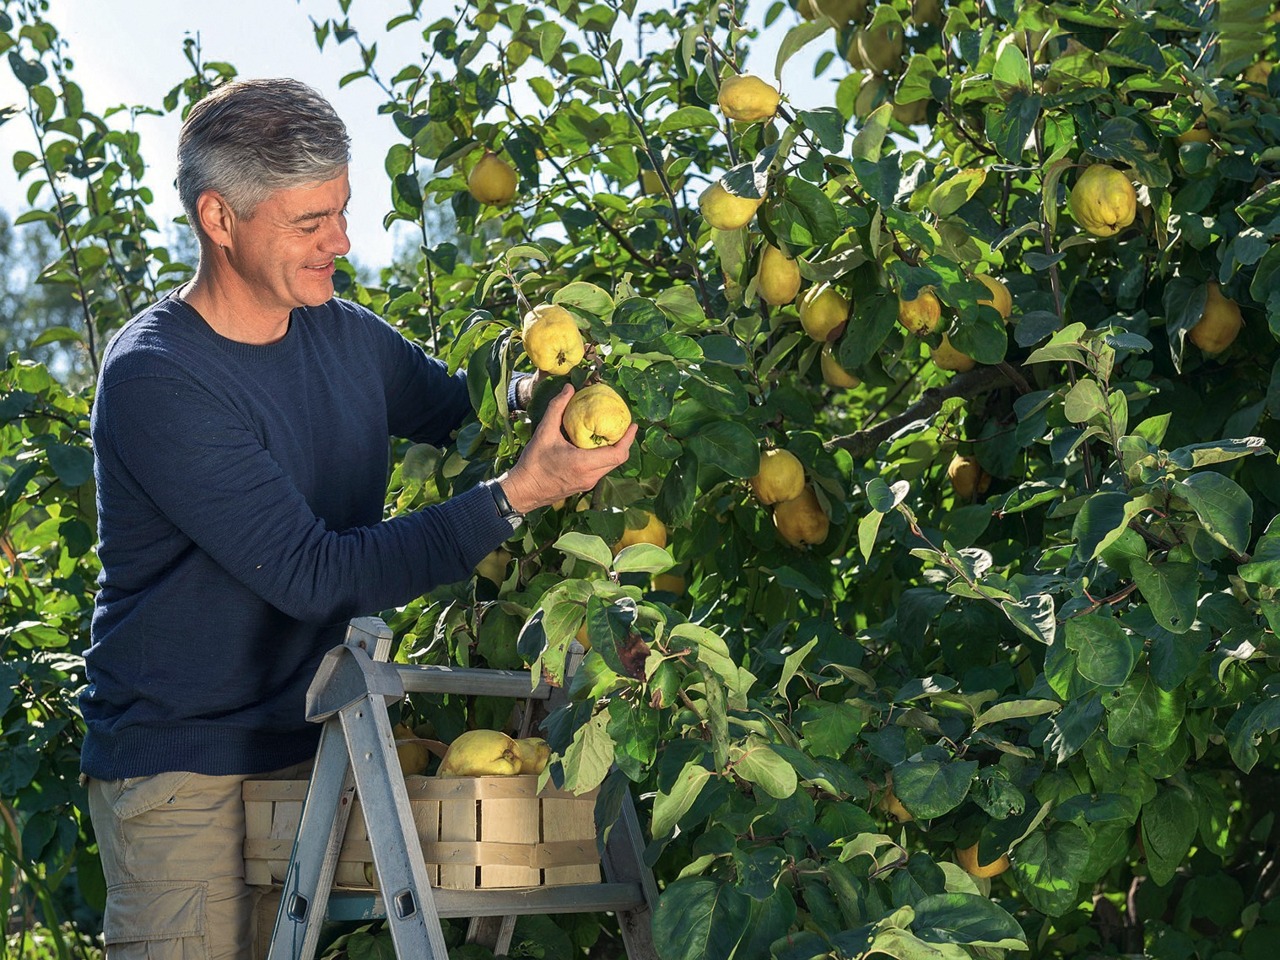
point(757, 763)
point(1104, 652)
point(967, 918)
point(1172, 591)
point(931, 788)
point(1168, 829)
point(670, 805)
point(698, 918)
point(729, 446)
point(1222, 505)
point(1140, 712)
point(1049, 867)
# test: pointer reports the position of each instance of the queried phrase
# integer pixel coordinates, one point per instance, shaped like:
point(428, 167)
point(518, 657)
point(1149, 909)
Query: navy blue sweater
point(240, 493)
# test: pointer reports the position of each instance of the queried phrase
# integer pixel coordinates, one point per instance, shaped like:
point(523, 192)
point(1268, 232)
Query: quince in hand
point(596, 416)
point(492, 180)
point(1103, 200)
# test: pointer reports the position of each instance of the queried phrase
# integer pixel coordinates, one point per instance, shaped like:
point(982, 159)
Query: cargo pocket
point(139, 794)
point(156, 920)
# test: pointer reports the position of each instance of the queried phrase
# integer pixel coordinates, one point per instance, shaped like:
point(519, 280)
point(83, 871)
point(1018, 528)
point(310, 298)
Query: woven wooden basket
point(476, 833)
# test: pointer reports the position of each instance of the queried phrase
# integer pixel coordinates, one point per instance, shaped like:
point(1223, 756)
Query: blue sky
point(130, 52)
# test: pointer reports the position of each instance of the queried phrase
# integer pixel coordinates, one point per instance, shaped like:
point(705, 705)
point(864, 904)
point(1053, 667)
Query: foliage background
point(1078, 668)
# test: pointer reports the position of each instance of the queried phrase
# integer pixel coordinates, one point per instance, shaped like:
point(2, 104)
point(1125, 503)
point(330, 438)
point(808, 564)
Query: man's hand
point(551, 468)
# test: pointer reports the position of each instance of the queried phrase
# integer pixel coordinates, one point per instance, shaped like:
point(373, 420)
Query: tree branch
point(972, 384)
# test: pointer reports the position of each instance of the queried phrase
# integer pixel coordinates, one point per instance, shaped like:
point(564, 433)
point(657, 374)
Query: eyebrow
point(319, 214)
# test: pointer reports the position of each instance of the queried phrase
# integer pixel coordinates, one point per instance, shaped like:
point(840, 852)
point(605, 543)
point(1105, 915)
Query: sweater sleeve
point(207, 474)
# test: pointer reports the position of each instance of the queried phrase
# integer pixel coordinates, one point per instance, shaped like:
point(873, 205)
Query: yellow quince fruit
point(967, 858)
point(823, 312)
point(492, 180)
point(778, 276)
point(780, 477)
point(833, 374)
point(840, 12)
point(1001, 299)
point(481, 753)
point(552, 339)
point(670, 582)
point(1220, 323)
point(533, 752)
point(1103, 200)
point(596, 416)
point(921, 315)
point(413, 757)
point(493, 566)
point(747, 98)
point(725, 211)
point(967, 477)
point(881, 48)
point(893, 807)
point(1259, 72)
point(801, 521)
point(947, 357)
point(654, 531)
point(926, 12)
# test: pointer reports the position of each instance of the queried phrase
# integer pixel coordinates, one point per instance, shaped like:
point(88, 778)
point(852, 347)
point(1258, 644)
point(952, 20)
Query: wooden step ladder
point(357, 757)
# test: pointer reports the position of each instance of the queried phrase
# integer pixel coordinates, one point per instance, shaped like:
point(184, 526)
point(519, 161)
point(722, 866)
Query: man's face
point(284, 251)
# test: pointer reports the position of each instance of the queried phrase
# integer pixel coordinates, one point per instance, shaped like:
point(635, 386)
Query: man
point(240, 433)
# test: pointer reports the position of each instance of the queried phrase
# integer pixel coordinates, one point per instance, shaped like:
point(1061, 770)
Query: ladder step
point(568, 898)
point(472, 681)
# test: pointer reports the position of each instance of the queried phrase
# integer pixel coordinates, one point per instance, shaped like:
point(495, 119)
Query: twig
point(971, 384)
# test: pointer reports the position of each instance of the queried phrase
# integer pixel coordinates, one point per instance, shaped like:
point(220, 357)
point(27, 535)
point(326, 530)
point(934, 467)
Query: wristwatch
point(505, 510)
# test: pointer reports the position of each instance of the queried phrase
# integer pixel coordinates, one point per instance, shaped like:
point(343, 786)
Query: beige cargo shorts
point(172, 848)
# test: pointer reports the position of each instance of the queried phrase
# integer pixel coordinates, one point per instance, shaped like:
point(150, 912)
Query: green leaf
point(1012, 72)
point(796, 38)
point(1035, 616)
point(587, 547)
point(729, 445)
point(1140, 712)
point(587, 297)
point(642, 558)
point(1172, 591)
point(757, 763)
point(1084, 402)
point(791, 665)
point(804, 216)
point(870, 139)
point(1015, 709)
point(827, 123)
point(700, 919)
point(950, 196)
point(670, 805)
point(1222, 505)
point(688, 118)
point(73, 465)
point(1100, 522)
point(868, 527)
point(1049, 868)
point(929, 788)
point(590, 755)
point(636, 320)
point(1168, 829)
point(1104, 652)
point(967, 918)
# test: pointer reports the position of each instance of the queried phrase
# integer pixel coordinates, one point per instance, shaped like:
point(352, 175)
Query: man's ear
point(216, 217)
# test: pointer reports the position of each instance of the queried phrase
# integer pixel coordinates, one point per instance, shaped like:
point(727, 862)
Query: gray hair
point(250, 138)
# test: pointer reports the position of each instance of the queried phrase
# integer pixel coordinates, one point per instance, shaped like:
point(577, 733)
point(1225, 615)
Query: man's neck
point(228, 306)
